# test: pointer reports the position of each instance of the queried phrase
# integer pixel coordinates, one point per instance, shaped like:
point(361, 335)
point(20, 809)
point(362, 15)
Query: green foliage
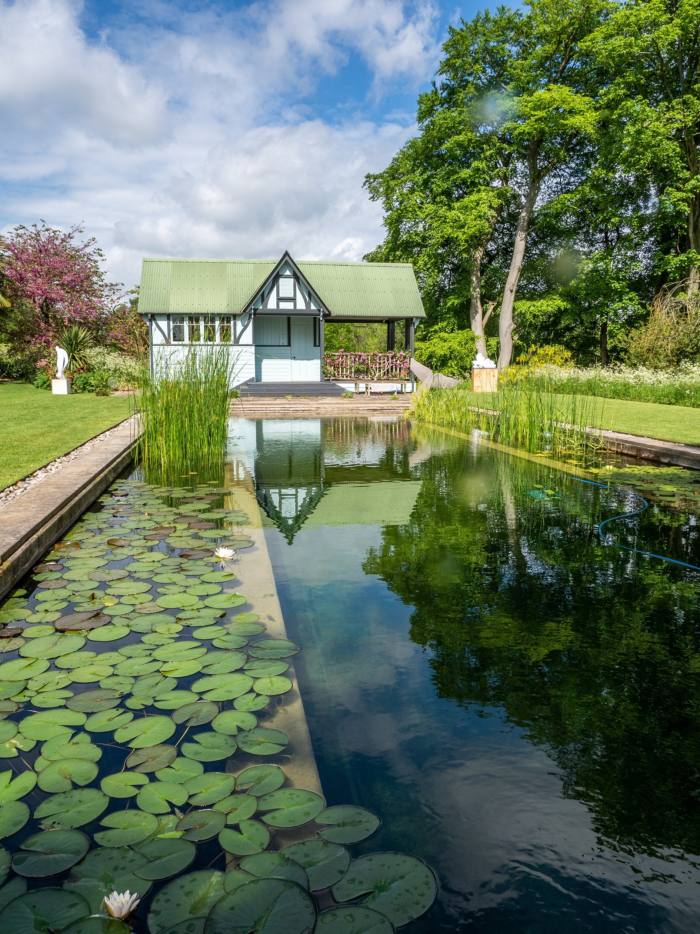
point(448, 352)
point(76, 340)
point(42, 380)
point(677, 387)
point(184, 417)
point(365, 337)
point(670, 336)
point(522, 414)
point(546, 355)
point(98, 381)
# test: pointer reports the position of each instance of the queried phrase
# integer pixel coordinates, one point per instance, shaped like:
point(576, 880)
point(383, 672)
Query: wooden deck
point(318, 406)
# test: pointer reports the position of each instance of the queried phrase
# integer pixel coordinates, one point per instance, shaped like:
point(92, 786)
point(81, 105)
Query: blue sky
point(210, 129)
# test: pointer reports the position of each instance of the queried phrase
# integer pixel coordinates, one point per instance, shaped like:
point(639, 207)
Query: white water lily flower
point(224, 553)
point(121, 904)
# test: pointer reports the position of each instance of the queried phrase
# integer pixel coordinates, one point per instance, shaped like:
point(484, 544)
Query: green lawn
point(36, 427)
point(648, 419)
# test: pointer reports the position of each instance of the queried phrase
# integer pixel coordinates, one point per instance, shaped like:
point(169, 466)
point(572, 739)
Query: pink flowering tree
point(54, 279)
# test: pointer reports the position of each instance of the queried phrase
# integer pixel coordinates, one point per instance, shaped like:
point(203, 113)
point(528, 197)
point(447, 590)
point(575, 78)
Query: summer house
point(273, 314)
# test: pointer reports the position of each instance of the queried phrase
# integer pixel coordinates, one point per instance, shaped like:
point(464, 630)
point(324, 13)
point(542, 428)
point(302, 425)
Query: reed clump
point(521, 414)
point(183, 409)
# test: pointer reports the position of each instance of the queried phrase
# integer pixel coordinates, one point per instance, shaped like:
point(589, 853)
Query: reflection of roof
point(389, 502)
point(226, 286)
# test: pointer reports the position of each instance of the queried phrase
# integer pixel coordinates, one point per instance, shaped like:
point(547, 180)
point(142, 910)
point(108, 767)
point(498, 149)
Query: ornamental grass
point(184, 410)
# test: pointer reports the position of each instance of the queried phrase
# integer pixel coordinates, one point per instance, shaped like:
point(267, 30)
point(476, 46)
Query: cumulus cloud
point(194, 135)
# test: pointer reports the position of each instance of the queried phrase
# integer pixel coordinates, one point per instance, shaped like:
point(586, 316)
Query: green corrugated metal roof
point(348, 290)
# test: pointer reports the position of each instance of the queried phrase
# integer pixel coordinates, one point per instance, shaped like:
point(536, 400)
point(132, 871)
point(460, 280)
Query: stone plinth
point(60, 387)
point(484, 380)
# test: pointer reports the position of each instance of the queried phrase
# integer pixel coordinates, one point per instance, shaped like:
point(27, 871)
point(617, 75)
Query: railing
point(392, 365)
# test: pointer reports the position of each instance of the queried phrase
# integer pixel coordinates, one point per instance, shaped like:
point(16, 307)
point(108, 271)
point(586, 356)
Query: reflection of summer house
point(304, 475)
point(271, 313)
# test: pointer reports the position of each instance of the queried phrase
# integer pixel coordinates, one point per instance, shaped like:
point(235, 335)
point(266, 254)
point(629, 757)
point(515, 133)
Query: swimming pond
point(514, 699)
point(517, 701)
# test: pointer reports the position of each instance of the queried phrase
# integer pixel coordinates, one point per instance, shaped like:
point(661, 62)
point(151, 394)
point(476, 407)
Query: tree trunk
point(694, 243)
point(604, 355)
point(505, 322)
point(476, 311)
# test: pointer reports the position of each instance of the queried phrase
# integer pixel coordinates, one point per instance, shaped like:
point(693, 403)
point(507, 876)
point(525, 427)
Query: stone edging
point(38, 516)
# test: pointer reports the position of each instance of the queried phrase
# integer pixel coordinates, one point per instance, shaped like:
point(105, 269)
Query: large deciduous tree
point(508, 126)
point(54, 279)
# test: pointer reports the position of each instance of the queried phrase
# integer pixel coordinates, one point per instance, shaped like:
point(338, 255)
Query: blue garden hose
point(625, 517)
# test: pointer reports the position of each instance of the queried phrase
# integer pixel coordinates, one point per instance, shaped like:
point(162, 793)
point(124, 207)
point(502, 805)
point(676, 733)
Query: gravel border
point(26, 483)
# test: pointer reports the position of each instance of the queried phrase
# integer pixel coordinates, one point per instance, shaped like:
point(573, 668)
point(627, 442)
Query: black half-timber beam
point(390, 335)
point(409, 335)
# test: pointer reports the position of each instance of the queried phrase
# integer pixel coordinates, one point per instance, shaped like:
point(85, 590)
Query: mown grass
point(452, 408)
point(36, 427)
point(184, 418)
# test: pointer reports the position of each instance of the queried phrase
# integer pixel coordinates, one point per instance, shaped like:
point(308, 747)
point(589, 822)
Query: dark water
point(518, 702)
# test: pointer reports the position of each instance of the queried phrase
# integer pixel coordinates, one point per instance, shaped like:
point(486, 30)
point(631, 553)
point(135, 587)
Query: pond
point(499, 659)
point(517, 701)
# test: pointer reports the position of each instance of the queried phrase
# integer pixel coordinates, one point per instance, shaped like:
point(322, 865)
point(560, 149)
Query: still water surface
point(518, 702)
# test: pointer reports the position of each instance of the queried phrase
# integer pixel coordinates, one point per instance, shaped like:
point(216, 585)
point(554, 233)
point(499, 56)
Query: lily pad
point(50, 852)
point(72, 808)
point(272, 648)
point(52, 646)
point(21, 669)
point(272, 686)
point(263, 742)
point(207, 789)
point(12, 789)
point(201, 824)
point(196, 714)
point(275, 866)
point(260, 779)
point(231, 722)
point(112, 869)
point(209, 747)
point(13, 816)
point(222, 687)
point(353, 920)
point(346, 823)
point(109, 633)
point(325, 863)
point(62, 776)
point(95, 701)
point(157, 797)
point(151, 758)
point(107, 721)
point(123, 784)
point(11, 890)
point(126, 828)
point(267, 906)
point(83, 621)
point(165, 857)
point(251, 702)
point(237, 807)
point(46, 909)
point(186, 899)
point(145, 731)
point(290, 807)
point(400, 887)
point(251, 837)
point(181, 770)
point(225, 601)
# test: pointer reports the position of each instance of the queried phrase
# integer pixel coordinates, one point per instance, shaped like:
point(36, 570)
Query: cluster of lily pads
point(135, 696)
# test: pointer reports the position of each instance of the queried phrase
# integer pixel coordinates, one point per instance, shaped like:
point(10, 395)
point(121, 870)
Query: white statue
point(483, 363)
point(61, 363)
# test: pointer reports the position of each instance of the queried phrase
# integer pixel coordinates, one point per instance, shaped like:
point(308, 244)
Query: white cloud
point(195, 138)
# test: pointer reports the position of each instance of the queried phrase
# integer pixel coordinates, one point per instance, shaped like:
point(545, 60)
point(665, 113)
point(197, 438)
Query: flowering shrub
point(679, 386)
point(393, 364)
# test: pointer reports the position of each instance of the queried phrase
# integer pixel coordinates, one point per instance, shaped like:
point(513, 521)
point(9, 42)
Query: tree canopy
point(553, 187)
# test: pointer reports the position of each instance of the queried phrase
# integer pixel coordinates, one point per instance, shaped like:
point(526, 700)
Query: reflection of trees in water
point(593, 653)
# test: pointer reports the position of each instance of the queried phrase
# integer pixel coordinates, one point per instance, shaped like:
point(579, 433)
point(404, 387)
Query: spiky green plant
point(521, 414)
point(77, 341)
point(183, 410)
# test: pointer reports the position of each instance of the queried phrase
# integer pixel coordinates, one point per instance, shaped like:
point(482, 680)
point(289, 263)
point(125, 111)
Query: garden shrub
point(546, 355)
point(450, 352)
point(671, 335)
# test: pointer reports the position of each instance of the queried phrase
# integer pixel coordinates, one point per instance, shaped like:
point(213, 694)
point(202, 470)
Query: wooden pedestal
point(485, 380)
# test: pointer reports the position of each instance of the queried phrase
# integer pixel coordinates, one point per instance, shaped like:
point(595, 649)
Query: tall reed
point(183, 408)
point(520, 414)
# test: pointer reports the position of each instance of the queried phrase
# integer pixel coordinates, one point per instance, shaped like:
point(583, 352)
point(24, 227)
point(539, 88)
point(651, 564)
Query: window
point(225, 329)
point(194, 329)
point(177, 333)
point(271, 332)
point(209, 330)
